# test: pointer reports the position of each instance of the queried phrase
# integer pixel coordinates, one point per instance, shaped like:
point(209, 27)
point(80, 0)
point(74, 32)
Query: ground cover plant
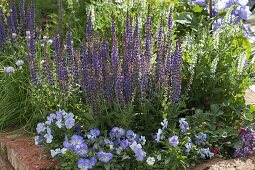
point(156, 89)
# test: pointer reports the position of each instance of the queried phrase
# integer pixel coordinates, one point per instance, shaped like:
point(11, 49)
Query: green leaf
point(220, 112)
point(198, 111)
point(188, 19)
point(197, 8)
point(237, 143)
point(248, 116)
point(215, 108)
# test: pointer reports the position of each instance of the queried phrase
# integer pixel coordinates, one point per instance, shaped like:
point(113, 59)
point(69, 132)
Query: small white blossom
point(63, 150)
point(50, 42)
point(27, 33)
point(14, 35)
point(55, 152)
point(9, 70)
point(159, 157)
point(20, 63)
point(150, 160)
point(45, 37)
point(42, 62)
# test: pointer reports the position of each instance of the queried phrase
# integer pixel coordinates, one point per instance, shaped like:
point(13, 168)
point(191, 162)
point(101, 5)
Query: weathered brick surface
point(19, 153)
point(5, 164)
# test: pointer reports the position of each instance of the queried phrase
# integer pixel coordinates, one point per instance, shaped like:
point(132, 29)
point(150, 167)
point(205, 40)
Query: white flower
point(27, 33)
point(48, 137)
point(59, 123)
point(14, 35)
point(164, 124)
point(42, 62)
point(49, 42)
point(133, 145)
point(158, 135)
point(20, 63)
point(159, 157)
point(9, 70)
point(37, 140)
point(45, 37)
point(55, 152)
point(143, 140)
point(150, 160)
point(63, 150)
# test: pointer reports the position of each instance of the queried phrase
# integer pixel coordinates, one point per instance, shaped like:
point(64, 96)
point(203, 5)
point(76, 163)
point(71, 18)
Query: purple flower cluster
point(183, 139)
point(3, 30)
point(183, 125)
point(240, 13)
point(205, 153)
point(201, 138)
point(61, 119)
point(107, 73)
point(248, 140)
point(91, 147)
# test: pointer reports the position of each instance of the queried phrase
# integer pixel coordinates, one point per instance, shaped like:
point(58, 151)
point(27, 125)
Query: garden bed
point(124, 85)
point(19, 152)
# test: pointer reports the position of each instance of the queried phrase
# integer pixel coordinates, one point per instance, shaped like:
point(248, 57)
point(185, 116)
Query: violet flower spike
point(177, 72)
point(22, 15)
point(89, 26)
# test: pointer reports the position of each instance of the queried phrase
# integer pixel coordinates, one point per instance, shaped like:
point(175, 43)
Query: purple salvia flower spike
point(84, 63)
point(76, 69)
point(27, 19)
point(32, 59)
point(70, 55)
point(106, 71)
point(22, 15)
point(114, 53)
point(160, 64)
point(3, 32)
point(177, 72)
point(119, 87)
point(136, 56)
point(13, 15)
point(128, 60)
point(56, 44)
point(167, 51)
point(31, 21)
point(89, 28)
point(145, 63)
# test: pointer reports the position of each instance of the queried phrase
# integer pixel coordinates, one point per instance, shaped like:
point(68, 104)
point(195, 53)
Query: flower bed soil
point(19, 152)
